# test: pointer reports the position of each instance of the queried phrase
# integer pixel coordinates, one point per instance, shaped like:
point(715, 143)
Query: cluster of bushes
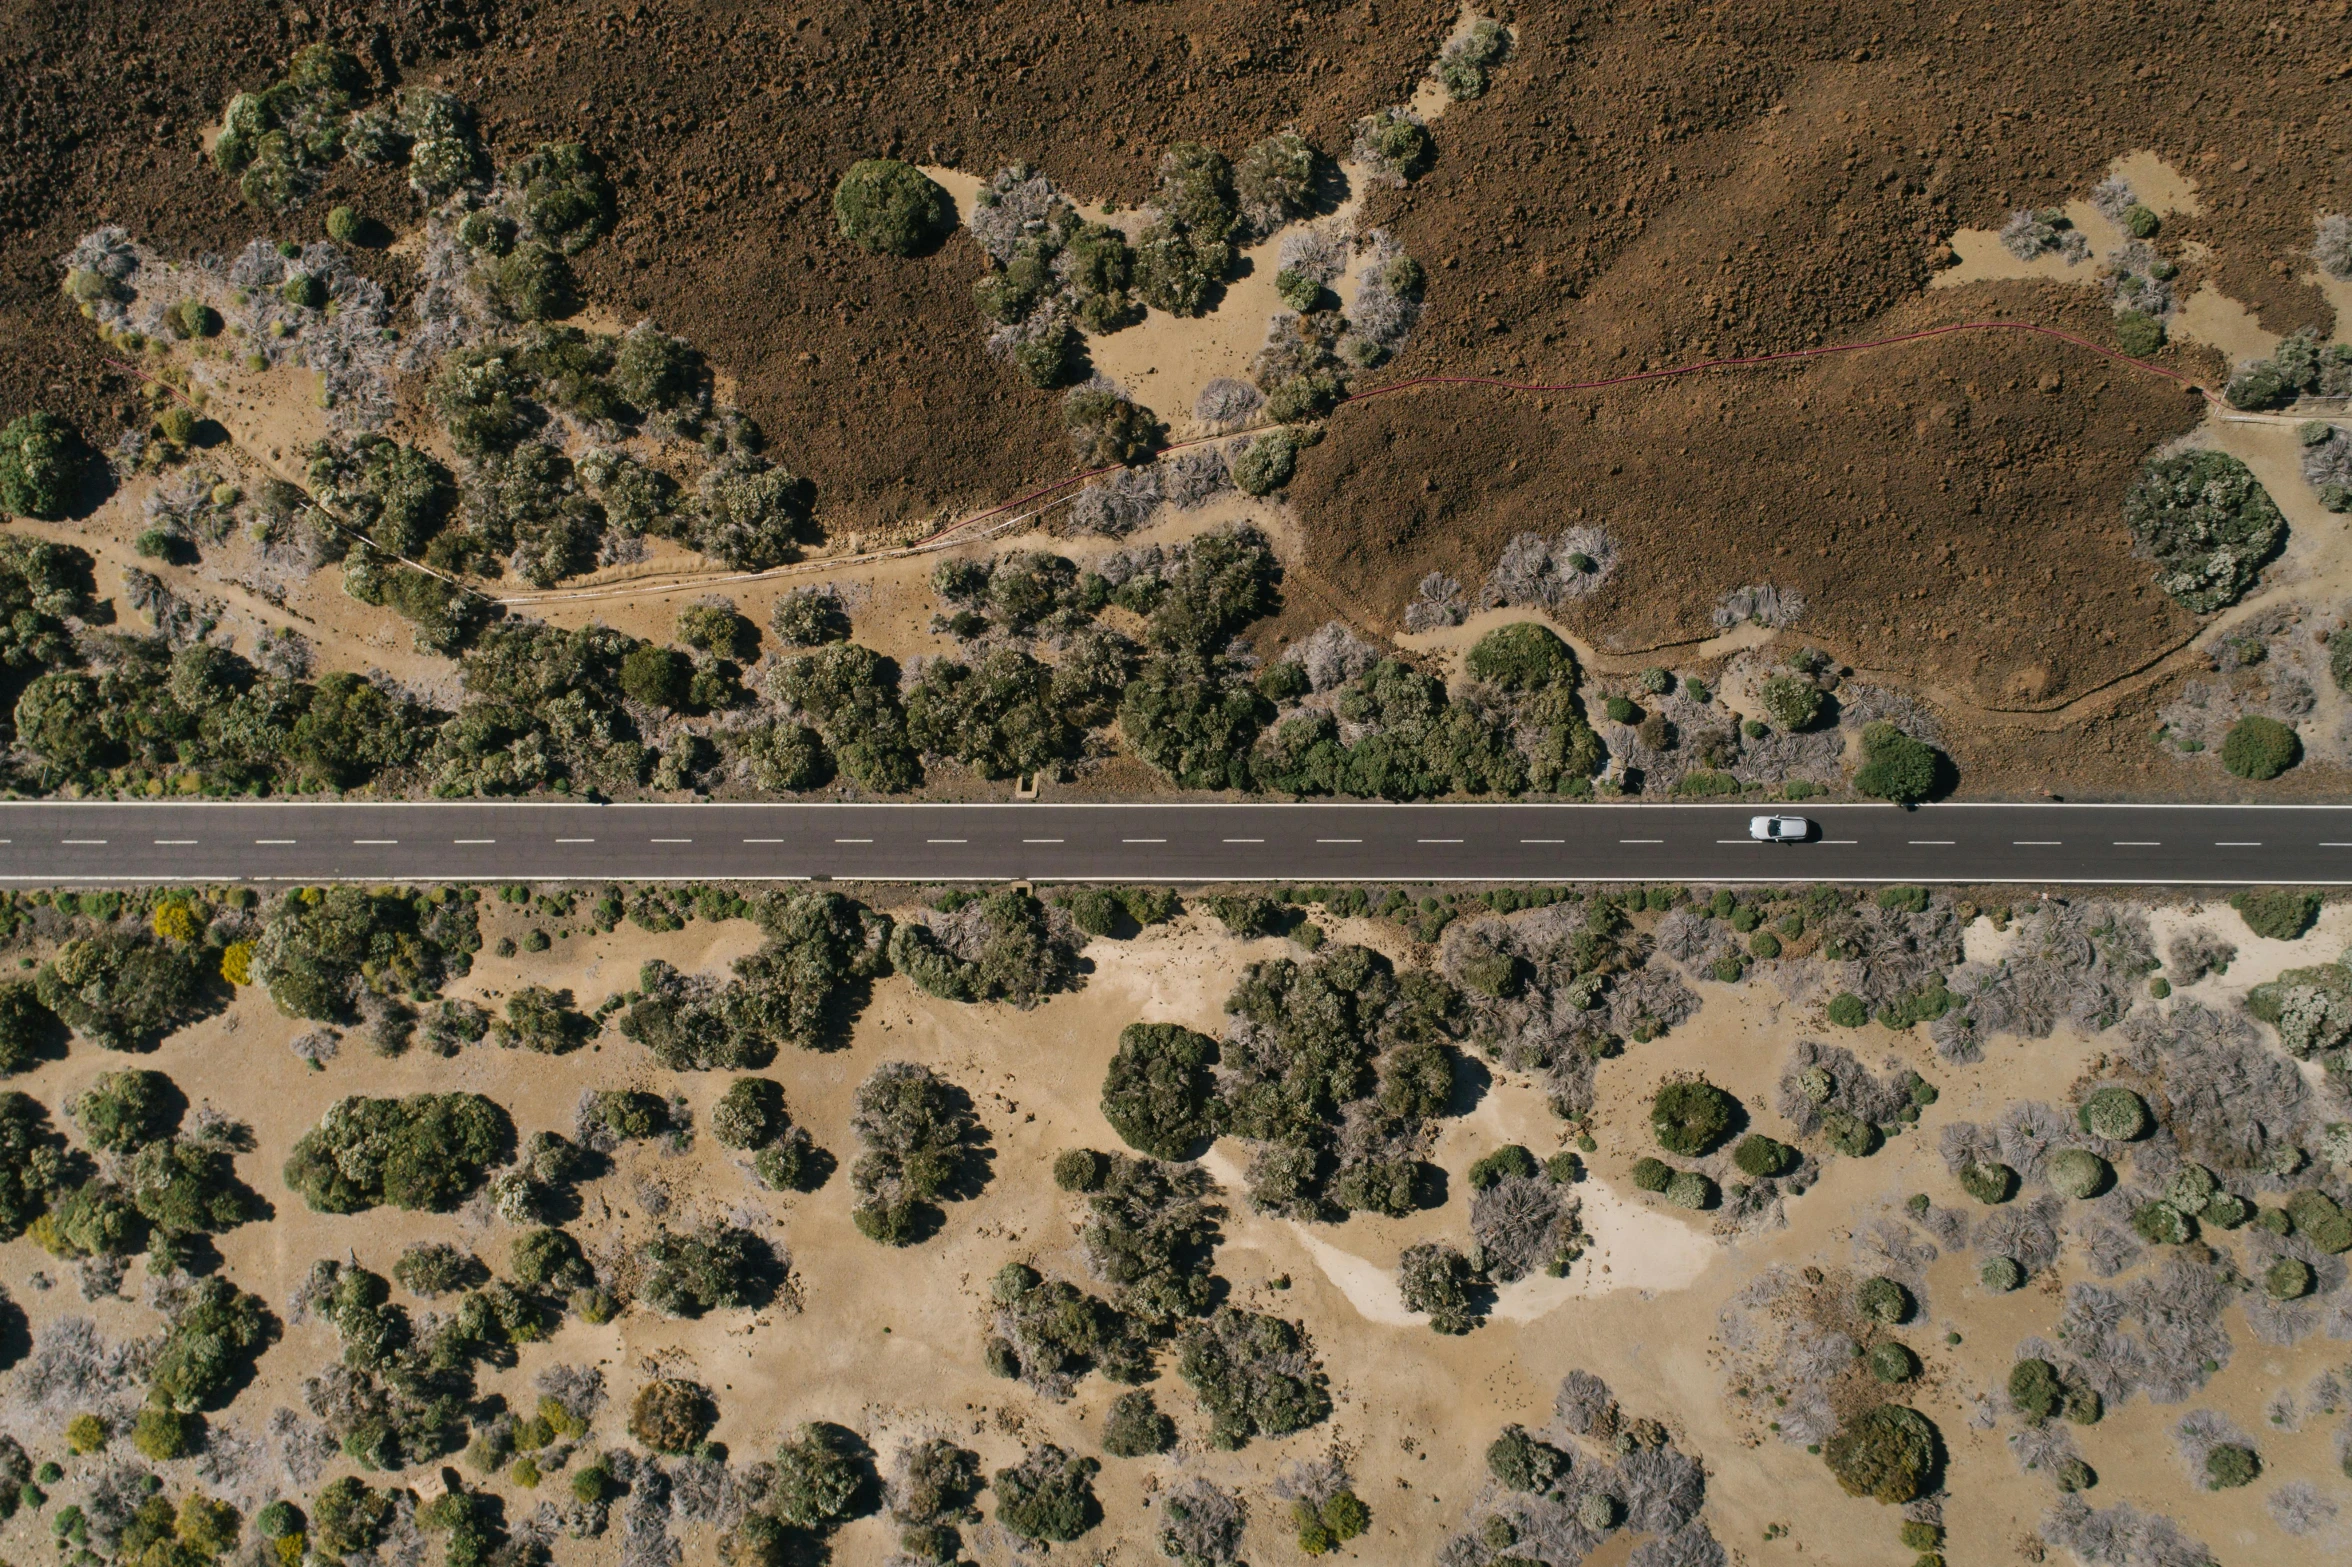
point(1254, 1375)
point(1049, 1333)
point(751, 1117)
point(2209, 525)
point(125, 991)
point(800, 988)
point(924, 1145)
point(1004, 946)
point(1523, 729)
point(1050, 272)
point(323, 951)
point(1118, 911)
point(140, 714)
point(275, 141)
point(1048, 1496)
point(426, 1152)
point(1436, 1280)
point(1151, 1229)
point(2302, 364)
point(718, 1266)
point(167, 1187)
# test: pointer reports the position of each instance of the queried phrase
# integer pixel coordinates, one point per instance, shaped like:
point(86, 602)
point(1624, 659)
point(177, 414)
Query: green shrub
point(541, 1020)
point(342, 225)
point(1891, 1453)
point(2209, 524)
point(1017, 956)
point(2000, 1274)
point(2116, 1114)
point(1436, 1281)
point(2161, 1224)
point(2260, 748)
point(1989, 1182)
point(1509, 1160)
point(891, 208)
point(2289, 1278)
point(1159, 1095)
point(1691, 1117)
point(1690, 1189)
point(1794, 702)
point(671, 1415)
point(2036, 1389)
point(851, 694)
point(2138, 333)
point(208, 1349)
point(348, 1517)
point(1524, 1463)
point(2080, 1174)
point(1048, 1496)
point(1652, 1175)
point(435, 1268)
point(550, 1259)
point(1763, 1158)
point(2276, 913)
point(718, 1266)
point(1107, 429)
point(2231, 1465)
point(1884, 1300)
point(122, 1112)
point(1895, 766)
point(1135, 1427)
point(2320, 1220)
point(1848, 1010)
point(1396, 143)
point(1893, 1363)
point(1267, 464)
point(750, 1114)
point(1463, 67)
point(920, 1131)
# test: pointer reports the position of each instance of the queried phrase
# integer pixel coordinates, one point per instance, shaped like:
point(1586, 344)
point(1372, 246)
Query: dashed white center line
point(1339, 840)
point(1543, 840)
point(473, 840)
point(2238, 843)
point(947, 840)
point(670, 840)
point(1245, 840)
point(1739, 840)
point(1848, 842)
point(1641, 840)
point(853, 840)
point(1437, 840)
point(82, 840)
point(1041, 840)
point(375, 840)
point(763, 840)
point(1930, 843)
point(559, 840)
point(2036, 843)
point(2138, 843)
point(2323, 844)
point(175, 840)
point(1133, 840)
point(273, 840)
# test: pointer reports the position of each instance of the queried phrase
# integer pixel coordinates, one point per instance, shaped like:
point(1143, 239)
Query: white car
point(1779, 829)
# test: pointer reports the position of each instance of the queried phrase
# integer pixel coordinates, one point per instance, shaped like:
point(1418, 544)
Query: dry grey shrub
point(2231, 1102)
point(2196, 953)
point(1023, 202)
point(1317, 251)
point(317, 1047)
point(2077, 963)
point(2198, 1433)
point(1852, 1089)
point(1380, 318)
point(282, 651)
point(1194, 477)
point(1332, 655)
point(2179, 1314)
point(304, 1447)
point(1693, 939)
point(1558, 1020)
point(73, 1370)
point(1797, 1357)
point(2029, 235)
point(1201, 1524)
point(114, 1497)
point(2044, 1449)
point(2272, 663)
point(1313, 1481)
point(1761, 603)
point(2114, 197)
point(1226, 403)
point(2132, 283)
point(1544, 573)
point(1582, 1401)
point(1887, 954)
point(1948, 1226)
point(2300, 1508)
point(1116, 506)
point(580, 1389)
point(2120, 1536)
point(2332, 245)
point(1693, 1545)
point(2289, 1322)
point(1521, 1223)
point(2025, 1232)
point(1437, 602)
point(2330, 461)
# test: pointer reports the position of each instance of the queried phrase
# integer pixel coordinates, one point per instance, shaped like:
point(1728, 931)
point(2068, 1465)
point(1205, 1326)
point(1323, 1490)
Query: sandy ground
point(889, 1342)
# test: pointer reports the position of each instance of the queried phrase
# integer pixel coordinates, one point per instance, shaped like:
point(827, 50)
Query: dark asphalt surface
point(74, 843)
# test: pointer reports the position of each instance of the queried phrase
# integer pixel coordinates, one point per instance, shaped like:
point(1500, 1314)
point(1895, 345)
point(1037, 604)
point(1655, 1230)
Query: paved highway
point(76, 843)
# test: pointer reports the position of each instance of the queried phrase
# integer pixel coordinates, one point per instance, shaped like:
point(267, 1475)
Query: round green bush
point(1764, 945)
point(1267, 465)
point(1895, 766)
point(1850, 1135)
point(2226, 1211)
point(1597, 1511)
point(1621, 710)
point(2036, 1390)
point(2161, 1224)
point(2260, 748)
point(1848, 1010)
point(1892, 1363)
point(2191, 1188)
point(1690, 1189)
point(891, 208)
point(2230, 1465)
point(1080, 1170)
point(2138, 333)
point(2080, 1174)
point(2116, 1114)
point(1691, 1117)
point(1763, 1157)
point(1989, 1182)
point(2289, 1278)
point(1891, 1453)
point(2001, 1274)
point(1652, 1175)
point(1884, 1300)
point(342, 225)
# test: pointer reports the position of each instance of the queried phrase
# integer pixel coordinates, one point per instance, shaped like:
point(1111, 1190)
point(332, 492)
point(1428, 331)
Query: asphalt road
point(74, 843)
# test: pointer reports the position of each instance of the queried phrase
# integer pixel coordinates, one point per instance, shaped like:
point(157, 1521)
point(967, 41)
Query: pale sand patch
point(2219, 322)
point(2259, 958)
point(2161, 188)
point(2339, 297)
point(1983, 258)
point(1980, 943)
